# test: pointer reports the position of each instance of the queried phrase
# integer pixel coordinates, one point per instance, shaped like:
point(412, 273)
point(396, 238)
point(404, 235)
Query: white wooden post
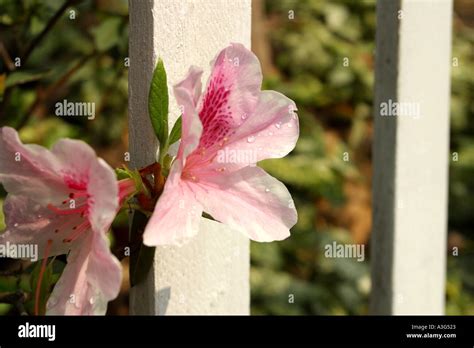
point(413, 60)
point(209, 275)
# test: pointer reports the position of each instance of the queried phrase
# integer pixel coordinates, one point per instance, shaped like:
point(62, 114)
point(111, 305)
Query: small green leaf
point(175, 134)
point(125, 173)
point(158, 104)
point(122, 173)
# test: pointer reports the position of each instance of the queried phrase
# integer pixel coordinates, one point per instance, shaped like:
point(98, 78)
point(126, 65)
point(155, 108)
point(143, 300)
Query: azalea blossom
point(225, 131)
point(64, 201)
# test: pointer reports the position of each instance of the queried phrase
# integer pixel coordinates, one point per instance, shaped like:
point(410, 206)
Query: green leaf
point(125, 173)
point(158, 105)
point(122, 173)
point(175, 134)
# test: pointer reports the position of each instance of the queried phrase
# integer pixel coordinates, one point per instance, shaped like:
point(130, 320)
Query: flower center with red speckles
point(72, 215)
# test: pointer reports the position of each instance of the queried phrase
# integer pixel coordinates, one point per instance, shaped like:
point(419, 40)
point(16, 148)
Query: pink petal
point(103, 189)
point(249, 201)
point(185, 94)
point(28, 224)
point(91, 278)
point(177, 214)
point(231, 94)
point(81, 169)
point(35, 174)
point(192, 84)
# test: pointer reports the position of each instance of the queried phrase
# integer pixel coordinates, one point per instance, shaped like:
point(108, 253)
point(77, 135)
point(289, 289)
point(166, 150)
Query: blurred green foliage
point(460, 286)
point(310, 53)
point(309, 42)
point(81, 58)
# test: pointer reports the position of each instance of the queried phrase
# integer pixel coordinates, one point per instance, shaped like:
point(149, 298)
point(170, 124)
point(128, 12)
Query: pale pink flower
point(225, 132)
point(64, 201)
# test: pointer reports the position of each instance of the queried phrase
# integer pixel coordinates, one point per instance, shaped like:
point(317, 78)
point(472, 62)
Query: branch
point(46, 29)
point(41, 97)
point(6, 57)
point(12, 297)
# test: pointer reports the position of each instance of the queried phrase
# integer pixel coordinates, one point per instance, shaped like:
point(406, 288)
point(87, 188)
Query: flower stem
point(41, 274)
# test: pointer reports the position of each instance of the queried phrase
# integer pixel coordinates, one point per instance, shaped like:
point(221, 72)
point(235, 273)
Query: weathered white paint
point(209, 275)
point(411, 157)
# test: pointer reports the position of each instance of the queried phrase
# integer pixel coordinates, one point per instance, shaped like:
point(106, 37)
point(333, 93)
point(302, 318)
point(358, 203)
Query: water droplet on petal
point(289, 125)
point(244, 116)
point(15, 224)
point(278, 125)
point(267, 190)
point(270, 133)
point(291, 204)
point(251, 139)
point(91, 300)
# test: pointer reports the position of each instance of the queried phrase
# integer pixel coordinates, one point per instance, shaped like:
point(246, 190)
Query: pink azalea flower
point(225, 132)
point(64, 201)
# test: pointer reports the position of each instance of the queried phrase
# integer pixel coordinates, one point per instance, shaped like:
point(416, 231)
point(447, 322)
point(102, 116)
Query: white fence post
point(209, 275)
point(413, 60)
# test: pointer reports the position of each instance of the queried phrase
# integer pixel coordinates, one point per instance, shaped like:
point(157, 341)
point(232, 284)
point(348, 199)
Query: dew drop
point(244, 116)
point(291, 204)
point(289, 125)
point(278, 125)
point(267, 190)
point(91, 300)
point(15, 224)
point(251, 139)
